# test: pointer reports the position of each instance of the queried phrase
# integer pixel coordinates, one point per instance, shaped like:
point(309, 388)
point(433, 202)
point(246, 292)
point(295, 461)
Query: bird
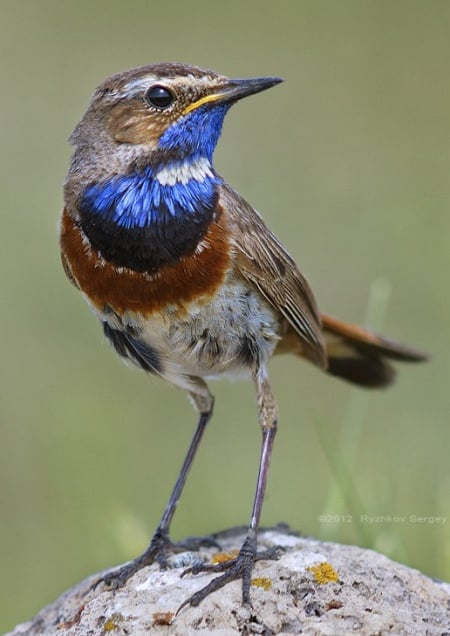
point(186, 279)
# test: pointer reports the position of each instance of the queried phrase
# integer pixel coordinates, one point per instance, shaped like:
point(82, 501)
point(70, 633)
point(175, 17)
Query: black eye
point(159, 97)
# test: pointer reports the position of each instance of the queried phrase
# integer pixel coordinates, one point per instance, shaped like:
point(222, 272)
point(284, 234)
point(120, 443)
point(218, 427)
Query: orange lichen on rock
point(263, 582)
point(223, 557)
point(324, 573)
point(112, 623)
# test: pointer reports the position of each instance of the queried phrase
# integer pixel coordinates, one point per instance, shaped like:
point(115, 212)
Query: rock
point(314, 589)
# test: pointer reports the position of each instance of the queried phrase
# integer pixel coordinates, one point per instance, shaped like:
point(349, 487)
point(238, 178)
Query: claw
point(239, 568)
point(158, 550)
point(117, 578)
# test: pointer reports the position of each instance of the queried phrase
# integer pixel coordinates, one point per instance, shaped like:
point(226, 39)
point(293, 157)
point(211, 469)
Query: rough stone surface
point(315, 588)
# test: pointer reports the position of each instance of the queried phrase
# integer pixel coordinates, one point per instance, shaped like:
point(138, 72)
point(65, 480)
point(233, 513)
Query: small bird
point(187, 281)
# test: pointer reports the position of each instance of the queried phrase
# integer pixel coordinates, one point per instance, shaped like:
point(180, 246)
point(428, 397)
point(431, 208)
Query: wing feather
point(262, 260)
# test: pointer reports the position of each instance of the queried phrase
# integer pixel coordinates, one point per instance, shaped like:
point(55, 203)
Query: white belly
point(232, 334)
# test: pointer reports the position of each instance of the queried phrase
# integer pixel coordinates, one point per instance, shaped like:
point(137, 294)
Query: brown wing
point(261, 259)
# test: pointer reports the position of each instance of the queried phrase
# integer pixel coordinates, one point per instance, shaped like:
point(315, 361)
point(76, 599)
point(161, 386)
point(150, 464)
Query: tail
point(360, 356)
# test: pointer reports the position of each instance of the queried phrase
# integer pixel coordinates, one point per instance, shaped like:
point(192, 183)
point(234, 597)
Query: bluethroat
point(185, 277)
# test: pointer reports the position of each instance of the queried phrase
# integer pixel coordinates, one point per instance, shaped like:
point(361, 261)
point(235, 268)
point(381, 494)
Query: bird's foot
point(161, 546)
point(240, 567)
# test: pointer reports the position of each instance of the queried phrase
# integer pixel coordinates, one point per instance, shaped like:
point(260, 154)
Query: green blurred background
point(348, 161)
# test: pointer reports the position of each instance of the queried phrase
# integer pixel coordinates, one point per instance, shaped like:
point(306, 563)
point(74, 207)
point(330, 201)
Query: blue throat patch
point(142, 223)
point(150, 219)
point(197, 133)
point(139, 200)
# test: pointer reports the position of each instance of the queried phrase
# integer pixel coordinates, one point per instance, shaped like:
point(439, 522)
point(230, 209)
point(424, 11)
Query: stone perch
point(315, 588)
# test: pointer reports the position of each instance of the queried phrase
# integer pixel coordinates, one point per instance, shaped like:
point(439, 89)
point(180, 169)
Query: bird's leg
point(161, 543)
point(242, 566)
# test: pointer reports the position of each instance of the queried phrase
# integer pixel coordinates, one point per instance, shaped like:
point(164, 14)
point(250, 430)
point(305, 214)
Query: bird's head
point(141, 183)
point(162, 112)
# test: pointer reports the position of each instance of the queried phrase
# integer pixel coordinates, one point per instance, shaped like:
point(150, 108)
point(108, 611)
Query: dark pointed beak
point(233, 90)
point(239, 88)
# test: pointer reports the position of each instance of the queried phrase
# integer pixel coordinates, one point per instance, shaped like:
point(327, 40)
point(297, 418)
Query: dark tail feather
point(360, 356)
